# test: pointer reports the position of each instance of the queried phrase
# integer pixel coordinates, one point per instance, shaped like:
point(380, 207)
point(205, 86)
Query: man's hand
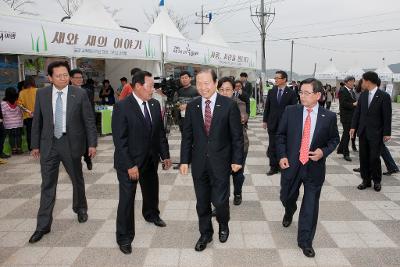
point(355, 103)
point(182, 107)
point(386, 138)
point(284, 163)
point(236, 167)
point(352, 131)
point(264, 125)
point(35, 153)
point(316, 155)
point(92, 152)
point(133, 173)
point(184, 168)
point(167, 163)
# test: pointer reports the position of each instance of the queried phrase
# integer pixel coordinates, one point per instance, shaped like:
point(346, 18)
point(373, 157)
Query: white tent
point(212, 36)
point(356, 71)
point(385, 73)
point(92, 13)
point(6, 9)
point(329, 73)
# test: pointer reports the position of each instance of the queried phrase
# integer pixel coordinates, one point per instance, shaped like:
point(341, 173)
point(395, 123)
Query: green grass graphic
point(33, 43)
point(37, 45)
point(44, 39)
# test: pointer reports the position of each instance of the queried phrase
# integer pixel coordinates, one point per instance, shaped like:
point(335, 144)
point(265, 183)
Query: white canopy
point(6, 9)
point(385, 73)
point(356, 71)
point(92, 13)
point(212, 36)
point(329, 73)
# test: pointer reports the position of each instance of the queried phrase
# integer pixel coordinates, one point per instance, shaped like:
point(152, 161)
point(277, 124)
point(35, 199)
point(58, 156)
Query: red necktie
point(305, 140)
point(207, 117)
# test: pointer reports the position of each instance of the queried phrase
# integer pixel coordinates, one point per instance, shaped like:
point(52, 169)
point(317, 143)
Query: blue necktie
point(147, 116)
point(58, 123)
point(279, 95)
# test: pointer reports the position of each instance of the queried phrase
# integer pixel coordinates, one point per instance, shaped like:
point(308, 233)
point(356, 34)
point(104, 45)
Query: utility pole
point(291, 63)
point(202, 16)
point(265, 19)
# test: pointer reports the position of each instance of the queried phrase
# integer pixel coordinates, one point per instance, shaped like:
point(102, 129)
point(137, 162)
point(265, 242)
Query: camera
point(167, 85)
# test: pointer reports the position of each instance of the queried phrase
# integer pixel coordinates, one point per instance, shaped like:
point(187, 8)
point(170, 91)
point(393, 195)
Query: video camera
point(167, 85)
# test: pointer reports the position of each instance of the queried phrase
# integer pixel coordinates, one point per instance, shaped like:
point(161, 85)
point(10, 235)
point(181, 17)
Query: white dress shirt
point(64, 98)
point(313, 116)
point(371, 95)
point(140, 101)
point(213, 98)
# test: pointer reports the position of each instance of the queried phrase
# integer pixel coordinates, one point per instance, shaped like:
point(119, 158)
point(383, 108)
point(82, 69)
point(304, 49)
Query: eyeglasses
point(279, 78)
point(306, 93)
point(225, 90)
point(77, 77)
point(60, 76)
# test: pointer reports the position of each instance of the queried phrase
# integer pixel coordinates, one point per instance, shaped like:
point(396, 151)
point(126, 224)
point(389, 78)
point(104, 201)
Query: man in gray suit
point(62, 124)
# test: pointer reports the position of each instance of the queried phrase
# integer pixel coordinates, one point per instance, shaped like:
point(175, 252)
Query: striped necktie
point(58, 123)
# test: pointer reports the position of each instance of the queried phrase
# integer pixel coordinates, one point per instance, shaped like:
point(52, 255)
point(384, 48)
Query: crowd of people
point(213, 119)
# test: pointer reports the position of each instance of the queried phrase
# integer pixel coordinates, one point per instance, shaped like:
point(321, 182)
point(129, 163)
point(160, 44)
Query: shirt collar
point(372, 92)
point(314, 109)
point(281, 88)
point(348, 88)
point(64, 90)
point(212, 98)
point(140, 101)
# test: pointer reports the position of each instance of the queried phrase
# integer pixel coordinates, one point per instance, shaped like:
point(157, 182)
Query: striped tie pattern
point(58, 123)
point(305, 140)
point(207, 117)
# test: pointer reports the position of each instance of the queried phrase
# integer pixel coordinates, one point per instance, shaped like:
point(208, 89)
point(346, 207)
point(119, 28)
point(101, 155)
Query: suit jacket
point(375, 121)
point(289, 135)
point(273, 110)
point(223, 146)
point(133, 141)
point(346, 105)
point(80, 122)
point(245, 97)
point(248, 88)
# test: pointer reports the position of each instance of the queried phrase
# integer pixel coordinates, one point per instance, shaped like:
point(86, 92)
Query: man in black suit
point(247, 87)
point(278, 98)
point(63, 128)
point(373, 121)
point(307, 134)
point(347, 104)
point(140, 141)
point(212, 141)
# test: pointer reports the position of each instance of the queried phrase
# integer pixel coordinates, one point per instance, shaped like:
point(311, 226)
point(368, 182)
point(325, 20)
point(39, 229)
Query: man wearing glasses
point(278, 98)
point(306, 135)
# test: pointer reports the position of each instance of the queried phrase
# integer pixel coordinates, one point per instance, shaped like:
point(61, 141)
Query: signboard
point(186, 51)
point(36, 37)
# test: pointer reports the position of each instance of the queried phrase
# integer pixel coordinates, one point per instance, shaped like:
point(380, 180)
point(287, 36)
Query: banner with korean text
point(36, 37)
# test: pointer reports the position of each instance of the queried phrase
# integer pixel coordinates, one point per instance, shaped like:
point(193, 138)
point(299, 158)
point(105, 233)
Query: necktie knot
point(309, 110)
point(208, 102)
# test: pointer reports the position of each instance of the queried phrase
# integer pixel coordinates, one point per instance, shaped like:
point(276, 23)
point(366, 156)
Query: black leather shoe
point(37, 235)
point(287, 220)
point(363, 186)
point(126, 249)
point(237, 200)
point(388, 173)
point(82, 217)
point(176, 167)
point(223, 233)
point(355, 149)
point(347, 158)
point(214, 212)
point(159, 222)
point(377, 187)
point(339, 151)
point(356, 170)
point(202, 242)
point(89, 165)
point(272, 171)
point(308, 252)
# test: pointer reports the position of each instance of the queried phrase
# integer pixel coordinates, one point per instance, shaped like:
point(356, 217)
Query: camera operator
point(186, 93)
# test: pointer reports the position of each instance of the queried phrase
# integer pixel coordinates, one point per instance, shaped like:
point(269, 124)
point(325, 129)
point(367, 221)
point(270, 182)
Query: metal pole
point(263, 34)
point(202, 19)
point(291, 63)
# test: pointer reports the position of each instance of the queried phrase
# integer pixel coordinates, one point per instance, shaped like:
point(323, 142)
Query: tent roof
point(384, 70)
point(331, 69)
point(6, 9)
point(212, 36)
point(163, 24)
point(92, 13)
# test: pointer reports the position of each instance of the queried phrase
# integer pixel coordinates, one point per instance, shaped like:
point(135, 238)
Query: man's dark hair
point(243, 74)
point(341, 84)
point(224, 80)
point(371, 76)
point(238, 81)
point(56, 64)
point(349, 78)
point(379, 82)
point(185, 72)
point(316, 84)
point(106, 81)
point(134, 71)
point(282, 73)
point(29, 81)
point(211, 71)
point(140, 76)
point(75, 71)
point(90, 82)
point(123, 79)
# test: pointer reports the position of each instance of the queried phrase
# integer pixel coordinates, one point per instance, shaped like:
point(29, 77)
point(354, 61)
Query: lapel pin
point(198, 106)
point(152, 104)
point(218, 105)
point(323, 115)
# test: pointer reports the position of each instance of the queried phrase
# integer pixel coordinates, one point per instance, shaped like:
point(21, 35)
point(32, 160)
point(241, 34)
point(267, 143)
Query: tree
point(71, 6)
point(21, 6)
point(180, 22)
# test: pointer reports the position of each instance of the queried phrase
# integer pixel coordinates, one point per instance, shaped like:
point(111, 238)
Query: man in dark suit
point(373, 121)
point(140, 141)
point(307, 134)
point(63, 124)
point(247, 87)
point(347, 104)
point(212, 141)
point(278, 98)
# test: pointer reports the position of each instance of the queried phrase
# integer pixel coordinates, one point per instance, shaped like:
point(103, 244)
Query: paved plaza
point(356, 228)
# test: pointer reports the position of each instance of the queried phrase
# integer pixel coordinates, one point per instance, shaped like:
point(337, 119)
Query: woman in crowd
point(26, 101)
point(107, 94)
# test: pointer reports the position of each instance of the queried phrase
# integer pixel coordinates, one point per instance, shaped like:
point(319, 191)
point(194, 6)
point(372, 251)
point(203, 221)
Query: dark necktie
point(279, 95)
point(147, 118)
point(353, 95)
point(207, 117)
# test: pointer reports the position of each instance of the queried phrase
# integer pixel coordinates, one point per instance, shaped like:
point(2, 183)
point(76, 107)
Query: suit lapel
point(284, 94)
point(199, 113)
point(154, 115)
point(320, 120)
point(216, 113)
point(137, 109)
point(375, 99)
point(70, 104)
point(49, 99)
